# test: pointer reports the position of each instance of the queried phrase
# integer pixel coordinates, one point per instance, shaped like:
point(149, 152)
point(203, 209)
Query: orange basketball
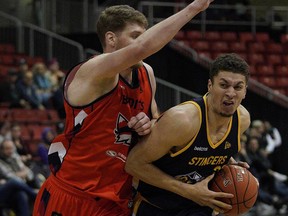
point(239, 182)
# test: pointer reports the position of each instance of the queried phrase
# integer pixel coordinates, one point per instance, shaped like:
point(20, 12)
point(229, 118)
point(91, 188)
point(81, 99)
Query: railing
point(35, 41)
point(50, 14)
point(222, 16)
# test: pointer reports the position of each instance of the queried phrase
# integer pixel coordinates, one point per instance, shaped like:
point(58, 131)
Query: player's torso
point(199, 159)
point(96, 141)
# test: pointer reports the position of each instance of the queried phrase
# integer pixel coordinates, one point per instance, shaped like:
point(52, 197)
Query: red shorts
point(57, 199)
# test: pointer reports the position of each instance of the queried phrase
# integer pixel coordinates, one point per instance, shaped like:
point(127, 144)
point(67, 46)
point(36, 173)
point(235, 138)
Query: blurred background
point(45, 38)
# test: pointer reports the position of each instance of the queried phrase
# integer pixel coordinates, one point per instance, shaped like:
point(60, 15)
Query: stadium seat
point(265, 70)
point(285, 59)
point(274, 59)
point(282, 81)
point(194, 35)
point(256, 58)
point(238, 47)
point(7, 48)
point(212, 36)
point(53, 115)
point(284, 38)
point(219, 46)
point(229, 36)
point(36, 131)
point(7, 59)
point(274, 48)
point(268, 81)
point(246, 37)
point(281, 70)
point(24, 116)
point(200, 45)
point(256, 47)
point(262, 37)
point(180, 35)
point(205, 54)
point(4, 114)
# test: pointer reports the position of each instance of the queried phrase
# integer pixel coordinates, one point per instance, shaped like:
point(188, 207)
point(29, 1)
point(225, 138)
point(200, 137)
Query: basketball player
point(188, 143)
point(109, 101)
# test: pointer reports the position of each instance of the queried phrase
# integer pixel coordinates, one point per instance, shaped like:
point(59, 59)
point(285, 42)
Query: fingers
point(219, 206)
point(140, 123)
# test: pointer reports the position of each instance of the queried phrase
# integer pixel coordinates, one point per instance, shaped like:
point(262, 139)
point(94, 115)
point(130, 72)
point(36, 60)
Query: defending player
point(188, 143)
point(109, 101)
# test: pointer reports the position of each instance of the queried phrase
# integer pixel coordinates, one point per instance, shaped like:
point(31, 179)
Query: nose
point(230, 92)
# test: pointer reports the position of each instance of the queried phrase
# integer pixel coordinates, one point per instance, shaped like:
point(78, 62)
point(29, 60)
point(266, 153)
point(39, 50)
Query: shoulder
point(184, 119)
point(244, 118)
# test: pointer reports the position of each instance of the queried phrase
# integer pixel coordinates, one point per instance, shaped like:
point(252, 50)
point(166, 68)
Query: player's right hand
point(201, 194)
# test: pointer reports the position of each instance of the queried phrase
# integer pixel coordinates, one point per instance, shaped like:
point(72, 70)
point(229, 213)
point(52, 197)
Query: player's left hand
point(239, 163)
point(140, 123)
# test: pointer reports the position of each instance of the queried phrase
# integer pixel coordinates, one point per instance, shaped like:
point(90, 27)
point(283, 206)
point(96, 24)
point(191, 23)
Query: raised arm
point(146, 44)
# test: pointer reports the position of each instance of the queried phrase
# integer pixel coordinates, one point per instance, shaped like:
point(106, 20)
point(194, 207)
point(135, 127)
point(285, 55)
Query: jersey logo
point(123, 134)
point(227, 145)
point(190, 178)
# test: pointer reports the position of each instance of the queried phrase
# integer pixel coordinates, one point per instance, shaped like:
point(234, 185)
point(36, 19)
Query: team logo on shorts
point(123, 134)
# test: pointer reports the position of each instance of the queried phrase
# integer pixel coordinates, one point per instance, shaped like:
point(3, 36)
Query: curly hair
point(229, 62)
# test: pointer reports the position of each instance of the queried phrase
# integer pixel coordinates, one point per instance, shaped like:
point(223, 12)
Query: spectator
point(8, 90)
point(56, 75)
point(270, 181)
point(12, 167)
point(21, 147)
point(5, 130)
point(42, 81)
point(57, 79)
point(17, 196)
point(28, 91)
point(272, 136)
point(22, 68)
point(48, 134)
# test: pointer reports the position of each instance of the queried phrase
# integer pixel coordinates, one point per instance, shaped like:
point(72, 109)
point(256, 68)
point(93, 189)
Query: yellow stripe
point(137, 202)
point(239, 130)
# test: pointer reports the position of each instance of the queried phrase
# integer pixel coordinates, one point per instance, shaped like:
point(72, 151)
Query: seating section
point(267, 58)
point(32, 122)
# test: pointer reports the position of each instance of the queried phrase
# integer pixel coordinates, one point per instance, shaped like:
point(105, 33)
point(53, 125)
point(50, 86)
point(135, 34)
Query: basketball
point(241, 183)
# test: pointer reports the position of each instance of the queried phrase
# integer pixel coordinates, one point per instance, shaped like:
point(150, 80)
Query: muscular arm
point(99, 75)
point(174, 129)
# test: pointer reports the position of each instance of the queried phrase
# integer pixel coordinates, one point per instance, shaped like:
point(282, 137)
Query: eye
point(238, 87)
point(135, 35)
point(223, 85)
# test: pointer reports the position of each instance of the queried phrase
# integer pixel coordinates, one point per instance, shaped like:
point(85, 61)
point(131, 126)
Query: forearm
point(150, 174)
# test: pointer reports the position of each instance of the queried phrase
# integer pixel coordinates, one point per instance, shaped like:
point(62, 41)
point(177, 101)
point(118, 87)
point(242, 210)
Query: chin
point(227, 115)
point(138, 65)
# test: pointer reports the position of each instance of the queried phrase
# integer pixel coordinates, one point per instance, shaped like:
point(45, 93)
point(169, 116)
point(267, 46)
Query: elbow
point(128, 166)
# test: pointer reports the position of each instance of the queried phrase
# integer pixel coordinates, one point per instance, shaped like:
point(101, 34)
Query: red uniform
point(89, 157)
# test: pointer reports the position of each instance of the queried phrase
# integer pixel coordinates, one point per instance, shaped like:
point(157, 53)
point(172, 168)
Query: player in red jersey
point(109, 101)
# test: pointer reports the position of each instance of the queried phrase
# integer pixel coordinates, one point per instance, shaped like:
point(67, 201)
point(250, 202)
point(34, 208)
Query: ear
point(110, 38)
point(245, 92)
point(209, 86)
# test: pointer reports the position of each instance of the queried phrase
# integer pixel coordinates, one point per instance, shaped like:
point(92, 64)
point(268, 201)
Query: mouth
point(228, 103)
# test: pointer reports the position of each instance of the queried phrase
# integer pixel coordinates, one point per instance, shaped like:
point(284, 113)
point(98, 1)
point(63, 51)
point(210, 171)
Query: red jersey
point(90, 155)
